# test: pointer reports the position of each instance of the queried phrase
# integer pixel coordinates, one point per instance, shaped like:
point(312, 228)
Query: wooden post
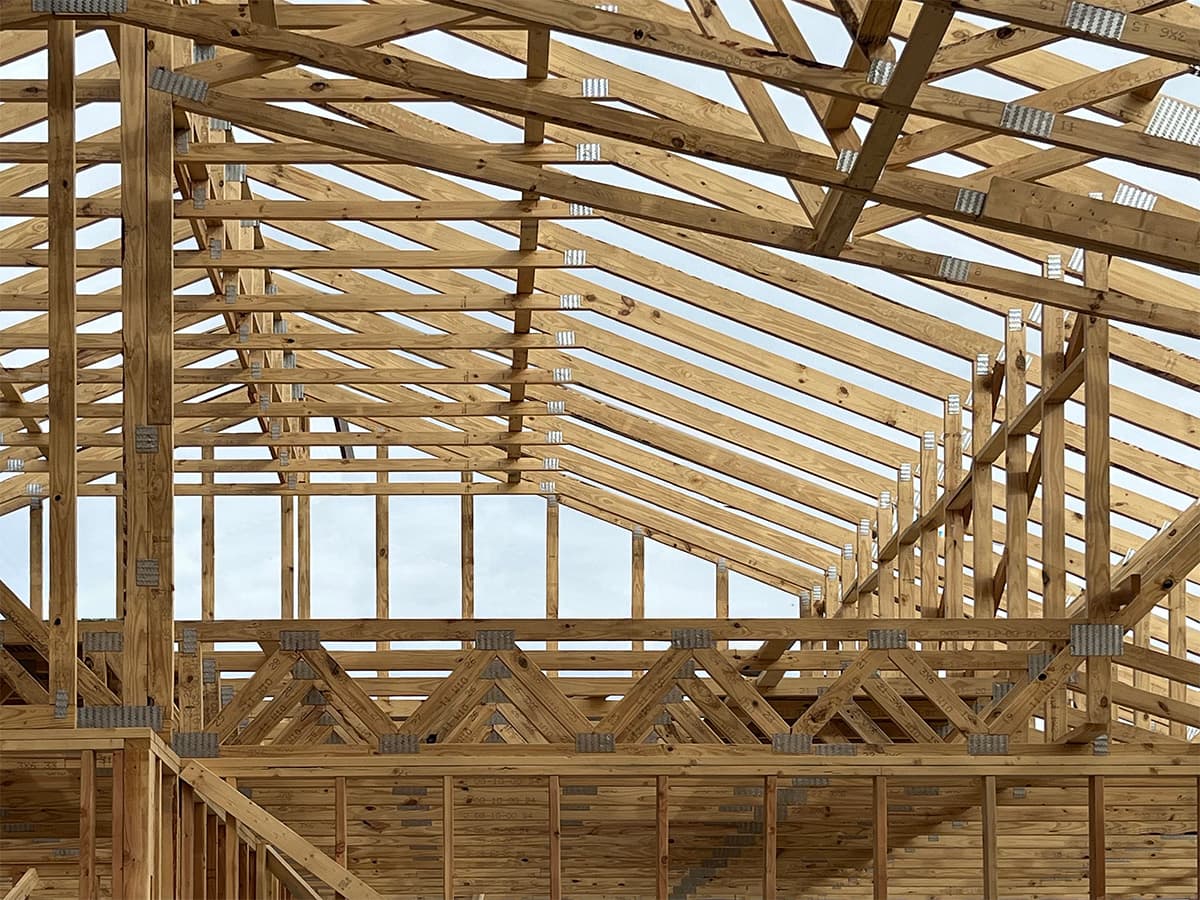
point(552, 568)
point(303, 557)
point(662, 829)
point(1097, 507)
point(907, 561)
point(991, 870)
point(187, 841)
point(930, 606)
point(467, 545)
point(340, 846)
point(770, 835)
point(721, 607)
point(382, 545)
point(287, 557)
point(36, 558)
point(168, 805)
point(447, 837)
point(554, 792)
point(119, 545)
point(1016, 469)
point(883, 535)
point(952, 592)
point(1054, 527)
point(89, 876)
point(879, 819)
point(637, 599)
point(64, 476)
point(208, 544)
point(982, 413)
point(139, 816)
point(229, 857)
point(1177, 647)
point(118, 823)
point(862, 559)
point(199, 814)
point(1097, 864)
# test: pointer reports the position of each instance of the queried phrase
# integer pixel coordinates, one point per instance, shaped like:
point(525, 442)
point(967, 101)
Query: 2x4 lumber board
point(89, 874)
point(465, 340)
point(1143, 34)
point(444, 438)
point(27, 884)
point(662, 837)
point(554, 827)
point(64, 479)
point(18, 677)
point(447, 837)
point(37, 562)
point(287, 557)
point(215, 409)
point(383, 542)
point(1097, 845)
point(838, 214)
point(139, 817)
point(770, 874)
point(991, 850)
point(259, 822)
point(550, 185)
point(278, 258)
point(308, 374)
point(879, 836)
point(1016, 470)
point(656, 629)
point(383, 300)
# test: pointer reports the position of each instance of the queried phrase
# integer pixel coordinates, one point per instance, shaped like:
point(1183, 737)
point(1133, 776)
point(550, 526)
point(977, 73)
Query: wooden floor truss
point(294, 255)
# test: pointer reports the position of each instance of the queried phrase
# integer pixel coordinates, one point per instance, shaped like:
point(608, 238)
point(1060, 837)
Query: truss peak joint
point(496, 670)
point(495, 639)
point(196, 744)
point(692, 639)
point(299, 640)
point(166, 80)
point(303, 671)
point(1097, 639)
point(887, 638)
point(121, 717)
point(595, 742)
point(399, 743)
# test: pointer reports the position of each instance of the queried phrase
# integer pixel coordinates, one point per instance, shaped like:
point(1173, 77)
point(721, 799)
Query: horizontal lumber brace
point(1129, 31)
point(378, 301)
point(628, 629)
point(210, 409)
point(333, 489)
point(321, 210)
point(291, 152)
point(99, 90)
point(219, 258)
point(315, 341)
point(446, 438)
point(307, 464)
point(305, 375)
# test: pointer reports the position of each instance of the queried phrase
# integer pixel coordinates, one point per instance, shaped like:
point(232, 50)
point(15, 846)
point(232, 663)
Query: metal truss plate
point(1038, 663)
point(987, 744)
point(146, 573)
point(581, 790)
point(838, 749)
point(162, 79)
point(791, 743)
point(500, 639)
point(1096, 20)
point(1175, 120)
point(299, 640)
point(61, 702)
point(121, 717)
point(1100, 745)
point(208, 671)
point(102, 641)
point(595, 742)
point(954, 269)
point(1001, 689)
point(226, 694)
point(145, 438)
point(674, 695)
point(314, 698)
point(496, 670)
point(196, 743)
point(399, 743)
point(887, 638)
point(970, 201)
point(1027, 120)
point(691, 638)
point(495, 695)
point(687, 669)
point(302, 671)
point(81, 7)
point(1097, 639)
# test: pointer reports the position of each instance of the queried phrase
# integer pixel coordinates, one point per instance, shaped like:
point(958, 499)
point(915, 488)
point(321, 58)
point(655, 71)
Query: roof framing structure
point(891, 306)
